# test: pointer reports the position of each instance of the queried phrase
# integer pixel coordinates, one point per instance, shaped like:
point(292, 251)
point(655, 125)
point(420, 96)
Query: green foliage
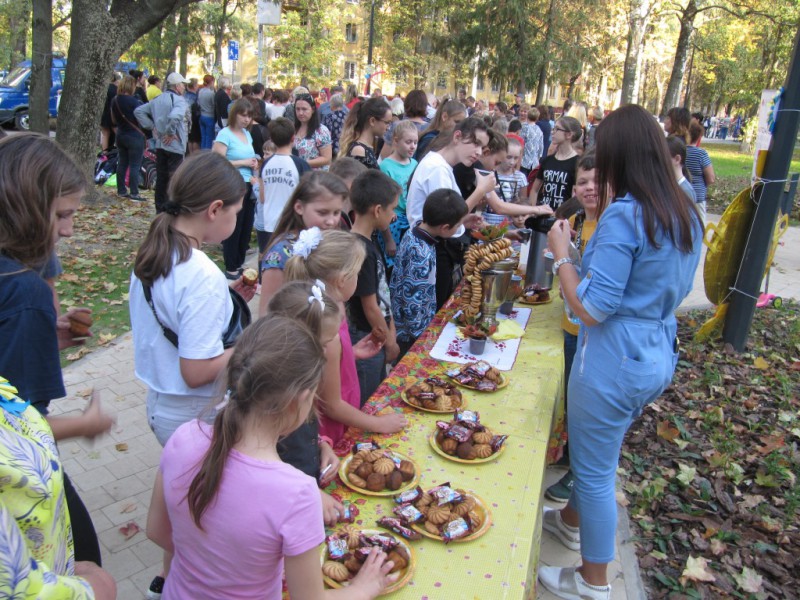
point(157, 49)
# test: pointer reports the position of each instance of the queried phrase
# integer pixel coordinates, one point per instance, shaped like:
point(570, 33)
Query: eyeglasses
point(387, 121)
point(560, 129)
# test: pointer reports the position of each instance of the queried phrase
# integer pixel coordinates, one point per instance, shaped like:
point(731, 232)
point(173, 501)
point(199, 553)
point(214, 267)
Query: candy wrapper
point(435, 381)
point(443, 425)
point(365, 446)
point(479, 369)
point(498, 441)
point(485, 385)
point(385, 542)
point(409, 496)
point(459, 433)
point(396, 525)
point(454, 373)
point(468, 418)
point(426, 396)
point(408, 512)
point(455, 529)
point(465, 379)
point(444, 494)
point(349, 512)
point(337, 547)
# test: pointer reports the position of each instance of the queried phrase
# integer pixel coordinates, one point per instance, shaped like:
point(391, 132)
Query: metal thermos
point(496, 281)
point(537, 271)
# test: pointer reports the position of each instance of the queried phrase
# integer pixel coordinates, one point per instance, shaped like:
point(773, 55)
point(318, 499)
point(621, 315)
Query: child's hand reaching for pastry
point(391, 423)
point(374, 575)
point(332, 509)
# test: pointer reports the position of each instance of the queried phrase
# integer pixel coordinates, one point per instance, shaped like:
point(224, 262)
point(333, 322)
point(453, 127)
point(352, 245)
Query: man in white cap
point(168, 116)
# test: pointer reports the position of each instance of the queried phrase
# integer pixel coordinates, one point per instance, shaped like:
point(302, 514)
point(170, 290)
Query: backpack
point(105, 166)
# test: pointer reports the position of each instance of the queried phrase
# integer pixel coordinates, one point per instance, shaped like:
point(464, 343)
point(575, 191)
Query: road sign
point(233, 50)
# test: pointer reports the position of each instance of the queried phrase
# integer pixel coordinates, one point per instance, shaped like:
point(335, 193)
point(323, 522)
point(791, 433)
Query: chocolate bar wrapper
point(396, 525)
point(409, 496)
point(435, 381)
point(480, 368)
point(454, 530)
point(464, 379)
point(337, 547)
point(349, 512)
point(443, 425)
point(385, 542)
point(459, 433)
point(486, 386)
point(444, 494)
point(426, 396)
point(468, 418)
point(408, 512)
point(365, 446)
point(497, 442)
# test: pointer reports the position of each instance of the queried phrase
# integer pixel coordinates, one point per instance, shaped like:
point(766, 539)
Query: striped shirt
point(696, 160)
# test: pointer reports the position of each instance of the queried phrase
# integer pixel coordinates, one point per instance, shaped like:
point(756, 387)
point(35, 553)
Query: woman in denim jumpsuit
point(638, 267)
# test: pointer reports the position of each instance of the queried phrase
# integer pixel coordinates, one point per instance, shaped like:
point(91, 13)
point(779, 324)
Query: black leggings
point(234, 248)
point(83, 534)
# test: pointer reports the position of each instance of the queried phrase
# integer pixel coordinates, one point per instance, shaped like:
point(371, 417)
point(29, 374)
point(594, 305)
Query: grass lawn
point(98, 260)
point(733, 170)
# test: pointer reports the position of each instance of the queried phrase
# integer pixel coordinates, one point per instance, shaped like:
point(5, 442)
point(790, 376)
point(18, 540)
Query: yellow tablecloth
point(502, 563)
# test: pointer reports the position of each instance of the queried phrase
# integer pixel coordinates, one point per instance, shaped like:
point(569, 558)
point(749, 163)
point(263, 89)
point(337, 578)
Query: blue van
point(14, 92)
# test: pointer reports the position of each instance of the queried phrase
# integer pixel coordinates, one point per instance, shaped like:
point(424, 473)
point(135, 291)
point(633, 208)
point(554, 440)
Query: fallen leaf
point(129, 530)
point(80, 352)
point(686, 474)
point(128, 508)
point(104, 338)
point(766, 480)
point(84, 393)
point(122, 447)
point(718, 547)
point(771, 442)
point(667, 431)
point(749, 580)
point(696, 570)
point(751, 500)
point(760, 363)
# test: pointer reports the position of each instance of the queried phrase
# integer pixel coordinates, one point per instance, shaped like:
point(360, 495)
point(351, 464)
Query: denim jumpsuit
point(625, 361)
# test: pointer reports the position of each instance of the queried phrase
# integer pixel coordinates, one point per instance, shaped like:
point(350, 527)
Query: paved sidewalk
point(115, 473)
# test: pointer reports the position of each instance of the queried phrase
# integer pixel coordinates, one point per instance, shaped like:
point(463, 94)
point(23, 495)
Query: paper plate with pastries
point(432, 439)
point(434, 395)
point(387, 472)
point(338, 574)
point(479, 376)
point(439, 516)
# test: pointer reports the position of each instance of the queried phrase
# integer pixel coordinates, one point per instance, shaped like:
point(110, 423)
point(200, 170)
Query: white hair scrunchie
point(307, 241)
point(316, 296)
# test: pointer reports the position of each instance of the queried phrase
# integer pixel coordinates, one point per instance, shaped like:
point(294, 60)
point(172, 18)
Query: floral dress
point(36, 556)
point(309, 148)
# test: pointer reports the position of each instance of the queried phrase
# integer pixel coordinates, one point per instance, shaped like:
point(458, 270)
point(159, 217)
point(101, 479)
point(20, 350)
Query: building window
point(352, 1)
point(276, 53)
point(326, 71)
point(401, 75)
point(554, 92)
point(481, 84)
point(495, 86)
point(349, 69)
point(441, 80)
point(350, 32)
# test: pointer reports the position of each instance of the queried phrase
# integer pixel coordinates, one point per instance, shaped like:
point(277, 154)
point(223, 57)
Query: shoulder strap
point(168, 333)
point(126, 118)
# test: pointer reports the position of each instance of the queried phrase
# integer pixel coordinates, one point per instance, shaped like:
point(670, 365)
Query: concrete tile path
point(115, 473)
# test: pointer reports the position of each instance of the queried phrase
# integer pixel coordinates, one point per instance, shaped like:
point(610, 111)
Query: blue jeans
point(371, 371)
point(206, 132)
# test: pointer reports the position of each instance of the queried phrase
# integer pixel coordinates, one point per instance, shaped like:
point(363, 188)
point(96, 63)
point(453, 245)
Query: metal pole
point(768, 200)
point(371, 40)
point(260, 77)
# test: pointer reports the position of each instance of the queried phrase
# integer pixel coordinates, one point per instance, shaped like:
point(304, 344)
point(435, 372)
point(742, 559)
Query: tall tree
point(41, 63)
point(546, 49)
point(101, 31)
point(638, 17)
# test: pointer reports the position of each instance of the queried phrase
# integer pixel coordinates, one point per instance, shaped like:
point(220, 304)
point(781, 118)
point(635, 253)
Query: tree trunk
point(19, 23)
point(673, 95)
point(41, 63)
point(638, 15)
point(548, 40)
point(184, 33)
point(98, 37)
point(219, 34)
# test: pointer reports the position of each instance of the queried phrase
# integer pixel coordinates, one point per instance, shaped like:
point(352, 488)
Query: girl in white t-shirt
point(223, 544)
point(189, 293)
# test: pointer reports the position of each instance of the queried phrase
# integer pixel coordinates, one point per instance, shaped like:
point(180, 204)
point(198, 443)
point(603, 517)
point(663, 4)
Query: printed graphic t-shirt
point(558, 177)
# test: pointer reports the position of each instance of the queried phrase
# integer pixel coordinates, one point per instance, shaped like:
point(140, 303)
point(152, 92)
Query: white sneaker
point(567, 583)
point(569, 536)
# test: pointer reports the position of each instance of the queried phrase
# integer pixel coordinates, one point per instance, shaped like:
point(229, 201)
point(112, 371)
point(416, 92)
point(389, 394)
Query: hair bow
point(225, 399)
point(316, 296)
point(307, 241)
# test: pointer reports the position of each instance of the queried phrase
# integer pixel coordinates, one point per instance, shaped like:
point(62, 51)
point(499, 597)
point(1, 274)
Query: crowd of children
point(334, 315)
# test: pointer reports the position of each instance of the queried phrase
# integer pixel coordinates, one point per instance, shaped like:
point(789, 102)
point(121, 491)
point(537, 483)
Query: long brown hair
point(680, 118)
point(200, 180)
point(312, 185)
point(263, 382)
point(358, 120)
point(633, 158)
point(34, 171)
point(450, 108)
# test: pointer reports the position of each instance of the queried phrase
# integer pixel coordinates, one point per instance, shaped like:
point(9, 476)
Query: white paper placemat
point(502, 355)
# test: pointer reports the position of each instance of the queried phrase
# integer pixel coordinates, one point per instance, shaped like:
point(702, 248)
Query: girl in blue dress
point(636, 270)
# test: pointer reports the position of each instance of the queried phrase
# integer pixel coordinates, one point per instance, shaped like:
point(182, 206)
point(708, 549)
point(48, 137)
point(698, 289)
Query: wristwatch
point(561, 261)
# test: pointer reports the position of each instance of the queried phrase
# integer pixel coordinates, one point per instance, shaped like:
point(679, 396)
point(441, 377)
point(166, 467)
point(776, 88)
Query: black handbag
point(240, 319)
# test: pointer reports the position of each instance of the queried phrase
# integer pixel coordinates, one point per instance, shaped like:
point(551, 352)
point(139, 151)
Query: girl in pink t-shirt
point(335, 257)
point(234, 515)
